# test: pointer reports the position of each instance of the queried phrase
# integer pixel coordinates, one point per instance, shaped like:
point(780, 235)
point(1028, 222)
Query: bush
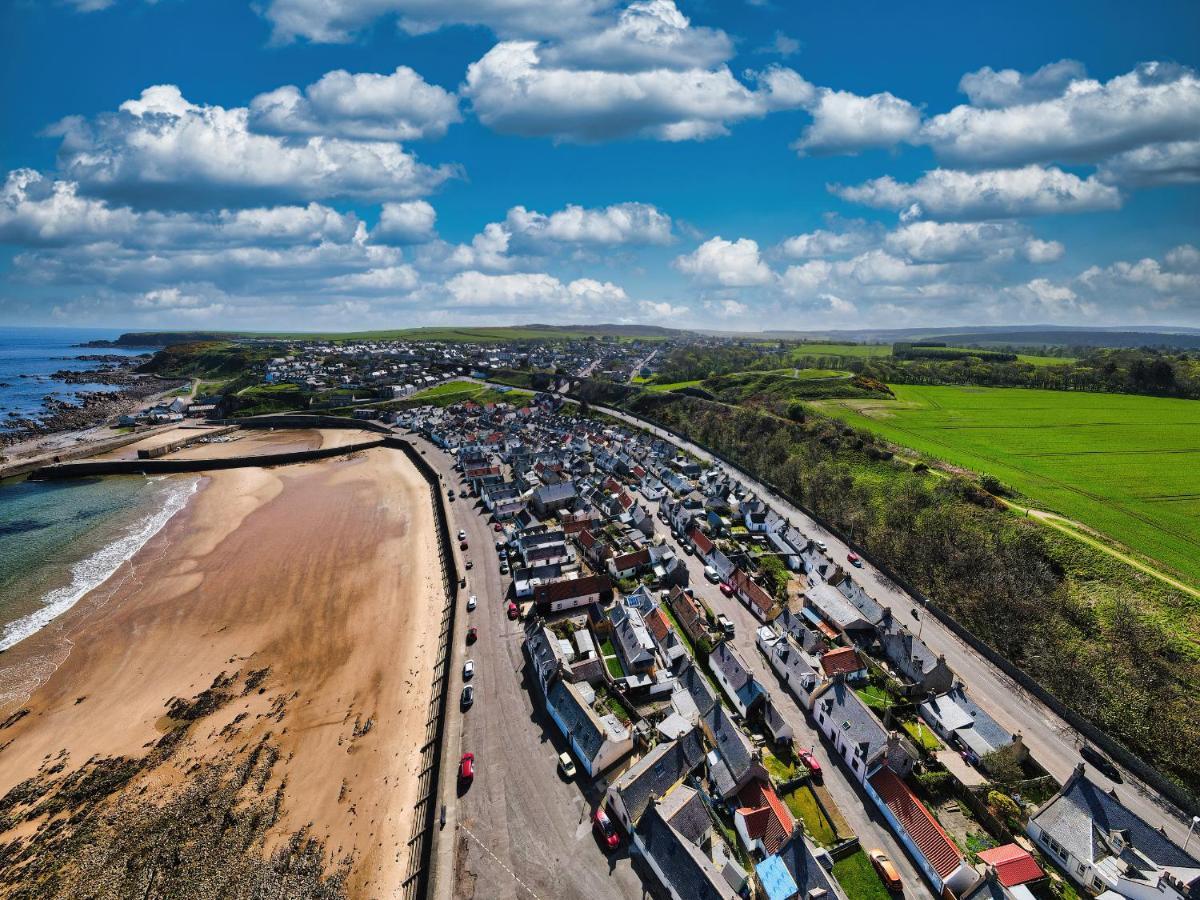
point(795, 411)
point(935, 784)
point(1005, 809)
point(993, 485)
point(1002, 765)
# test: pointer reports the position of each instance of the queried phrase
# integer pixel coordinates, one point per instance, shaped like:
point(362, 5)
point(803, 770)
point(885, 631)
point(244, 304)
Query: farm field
point(1127, 466)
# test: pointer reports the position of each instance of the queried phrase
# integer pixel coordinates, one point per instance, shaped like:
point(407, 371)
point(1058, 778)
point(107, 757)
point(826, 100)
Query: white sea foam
point(88, 574)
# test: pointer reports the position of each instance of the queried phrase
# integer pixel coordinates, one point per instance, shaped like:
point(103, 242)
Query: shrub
point(1003, 807)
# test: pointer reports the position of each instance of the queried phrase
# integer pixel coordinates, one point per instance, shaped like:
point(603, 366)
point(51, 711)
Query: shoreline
point(297, 607)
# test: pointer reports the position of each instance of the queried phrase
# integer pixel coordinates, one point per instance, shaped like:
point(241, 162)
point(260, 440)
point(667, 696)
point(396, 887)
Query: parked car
point(462, 545)
point(466, 768)
point(566, 765)
point(462, 582)
point(503, 568)
point(472, 635)
point(512, 610)
point(472, 602)
point(812, 763)
point(725, 624)
point(726, 588)
point(1103, 764)
point(497, 527)
point(969, 756)
point(462, 535)
point(468, 670)
point(886, 870)
point(689, 549)
point(467, 698)
point(822, 546)
point(469, 565)
point(854, 560)
point(711, 574)
point(605, 828)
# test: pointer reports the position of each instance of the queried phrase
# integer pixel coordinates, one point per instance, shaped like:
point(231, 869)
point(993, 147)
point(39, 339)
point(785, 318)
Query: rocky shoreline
point(88, 408)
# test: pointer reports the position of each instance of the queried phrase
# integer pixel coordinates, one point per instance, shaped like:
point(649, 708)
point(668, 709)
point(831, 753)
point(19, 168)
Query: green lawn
point(1127, 466)
point(857, 877)
point(611, 660)
point(674, 385)
point(818, 349)
point(1045, 360)
point(922, 736)
point(452, 392)
point(875, 697)
point(778, 769)
point(803, 805)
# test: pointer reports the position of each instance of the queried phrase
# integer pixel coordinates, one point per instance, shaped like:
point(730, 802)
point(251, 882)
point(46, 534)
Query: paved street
point(1053, 742)
point(520, 831)
point(857, 809)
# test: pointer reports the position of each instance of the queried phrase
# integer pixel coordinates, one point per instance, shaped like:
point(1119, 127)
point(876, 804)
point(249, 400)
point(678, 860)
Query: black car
point(468, 697)
point(1103, 764)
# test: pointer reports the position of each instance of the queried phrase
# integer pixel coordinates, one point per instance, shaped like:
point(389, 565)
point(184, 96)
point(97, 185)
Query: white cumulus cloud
point(726, 263)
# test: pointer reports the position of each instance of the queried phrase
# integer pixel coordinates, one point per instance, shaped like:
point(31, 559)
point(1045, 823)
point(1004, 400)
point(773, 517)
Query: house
point(859, 738)
point(832, 607)
point(755, 598)
point(689, 859)
point(569, 593)
point(1105, 847)
point(627, 565)
point(732, 762)
point(598, 742)
point(761, 819)
point(653, 776)
point(688, 614)
point(632, 638)
point(550, 498)
point(669, 646)
point(732, 674)
point(694, 698)
point(962, 723)
point(940, 861)
point(791, 664)
point(1011, 864)
point(774, 725)
point(844, 661)
point(925, 671)
point(795, 873)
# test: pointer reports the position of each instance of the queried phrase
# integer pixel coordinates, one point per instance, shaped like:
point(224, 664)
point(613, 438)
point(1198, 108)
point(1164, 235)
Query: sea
point(28, 356)
point(61, 539)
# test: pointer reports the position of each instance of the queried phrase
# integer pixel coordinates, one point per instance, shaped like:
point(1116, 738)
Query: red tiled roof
point(920, 824)
point(703, 545)
point(658, 624)
point(757, 596)
point(636, 559)
point(625, 500)
point(1014, 865)
point(844, 660)
point(639, 472)
point(766, 816)
point(571, 587)
point(586, 538)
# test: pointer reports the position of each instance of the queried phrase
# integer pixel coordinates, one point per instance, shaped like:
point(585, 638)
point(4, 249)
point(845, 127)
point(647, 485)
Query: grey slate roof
point(657, 771)
point(690, 873)
point(852, 718)
point(797, 855)
point(733, 750)
point(1082, 816)
point(958, 713)
point(581, 723)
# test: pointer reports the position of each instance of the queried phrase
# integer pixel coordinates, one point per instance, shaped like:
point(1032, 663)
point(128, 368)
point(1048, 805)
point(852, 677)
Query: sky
point(732, 165)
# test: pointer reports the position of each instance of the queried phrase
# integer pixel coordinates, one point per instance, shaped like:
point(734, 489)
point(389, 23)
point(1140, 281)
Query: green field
point(802, 350)
point(452, 392)
point(1124, 465)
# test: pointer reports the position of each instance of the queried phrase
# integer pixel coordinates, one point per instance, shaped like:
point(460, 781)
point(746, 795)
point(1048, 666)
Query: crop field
point(1127, 466)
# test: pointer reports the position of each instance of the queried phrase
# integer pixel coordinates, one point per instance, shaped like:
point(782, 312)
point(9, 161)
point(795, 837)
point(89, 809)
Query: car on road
point(466, 768)
point(689, 549)
point(812, 763)
point(711, 574)
point(886, 870)
point(469, 565)
point(472, 602)
point(462, 535)
point(726, 588)
point(497, 527)
point(462, 545)
point(566, 765)
point(468, 670)
point(467, 698)
point(462, 582)
point(512, 610)
point(1103, 764)
point(854, 559)
point(503, 568)
point(822, 546)
point(605, 829)
point(472, 635)
point(500, 546)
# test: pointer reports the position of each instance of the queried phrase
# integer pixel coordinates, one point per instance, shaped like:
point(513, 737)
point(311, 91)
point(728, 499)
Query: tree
point(1002, 765)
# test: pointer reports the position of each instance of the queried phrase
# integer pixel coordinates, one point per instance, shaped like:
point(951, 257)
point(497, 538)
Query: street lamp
point(1191, 828)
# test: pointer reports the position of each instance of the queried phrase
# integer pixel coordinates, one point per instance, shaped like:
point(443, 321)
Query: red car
point(513, 612)
point(726, 588)
point(497, 527)
point(472, 635)
point(813, 764)
point(466, 767)
point(604, 828)
point(462, 545)
point(853, 559)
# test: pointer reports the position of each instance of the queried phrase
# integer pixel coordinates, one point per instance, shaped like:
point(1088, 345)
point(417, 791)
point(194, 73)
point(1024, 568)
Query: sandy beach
point(260, 670)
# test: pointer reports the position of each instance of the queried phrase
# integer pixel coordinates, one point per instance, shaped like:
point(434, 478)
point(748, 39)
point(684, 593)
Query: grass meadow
point(1124, 465)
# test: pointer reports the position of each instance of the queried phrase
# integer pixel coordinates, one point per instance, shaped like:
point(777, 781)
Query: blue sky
point(734, 165)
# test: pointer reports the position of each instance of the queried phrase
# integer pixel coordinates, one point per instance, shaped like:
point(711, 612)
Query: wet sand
point(283, 624)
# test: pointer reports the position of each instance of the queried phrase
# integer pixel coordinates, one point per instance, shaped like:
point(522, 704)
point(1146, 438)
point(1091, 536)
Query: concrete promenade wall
point(13, 469)
point(172, 446)
point(175, 466)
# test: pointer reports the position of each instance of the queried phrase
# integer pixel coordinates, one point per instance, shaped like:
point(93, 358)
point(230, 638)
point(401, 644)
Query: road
point(520, 831)
point(1053, 742)
point(858, 810)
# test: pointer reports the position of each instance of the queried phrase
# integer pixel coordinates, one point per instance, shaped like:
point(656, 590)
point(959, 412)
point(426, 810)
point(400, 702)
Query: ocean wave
point(88, 574)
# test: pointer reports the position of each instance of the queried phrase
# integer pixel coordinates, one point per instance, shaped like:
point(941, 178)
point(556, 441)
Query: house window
point(1079, 868)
